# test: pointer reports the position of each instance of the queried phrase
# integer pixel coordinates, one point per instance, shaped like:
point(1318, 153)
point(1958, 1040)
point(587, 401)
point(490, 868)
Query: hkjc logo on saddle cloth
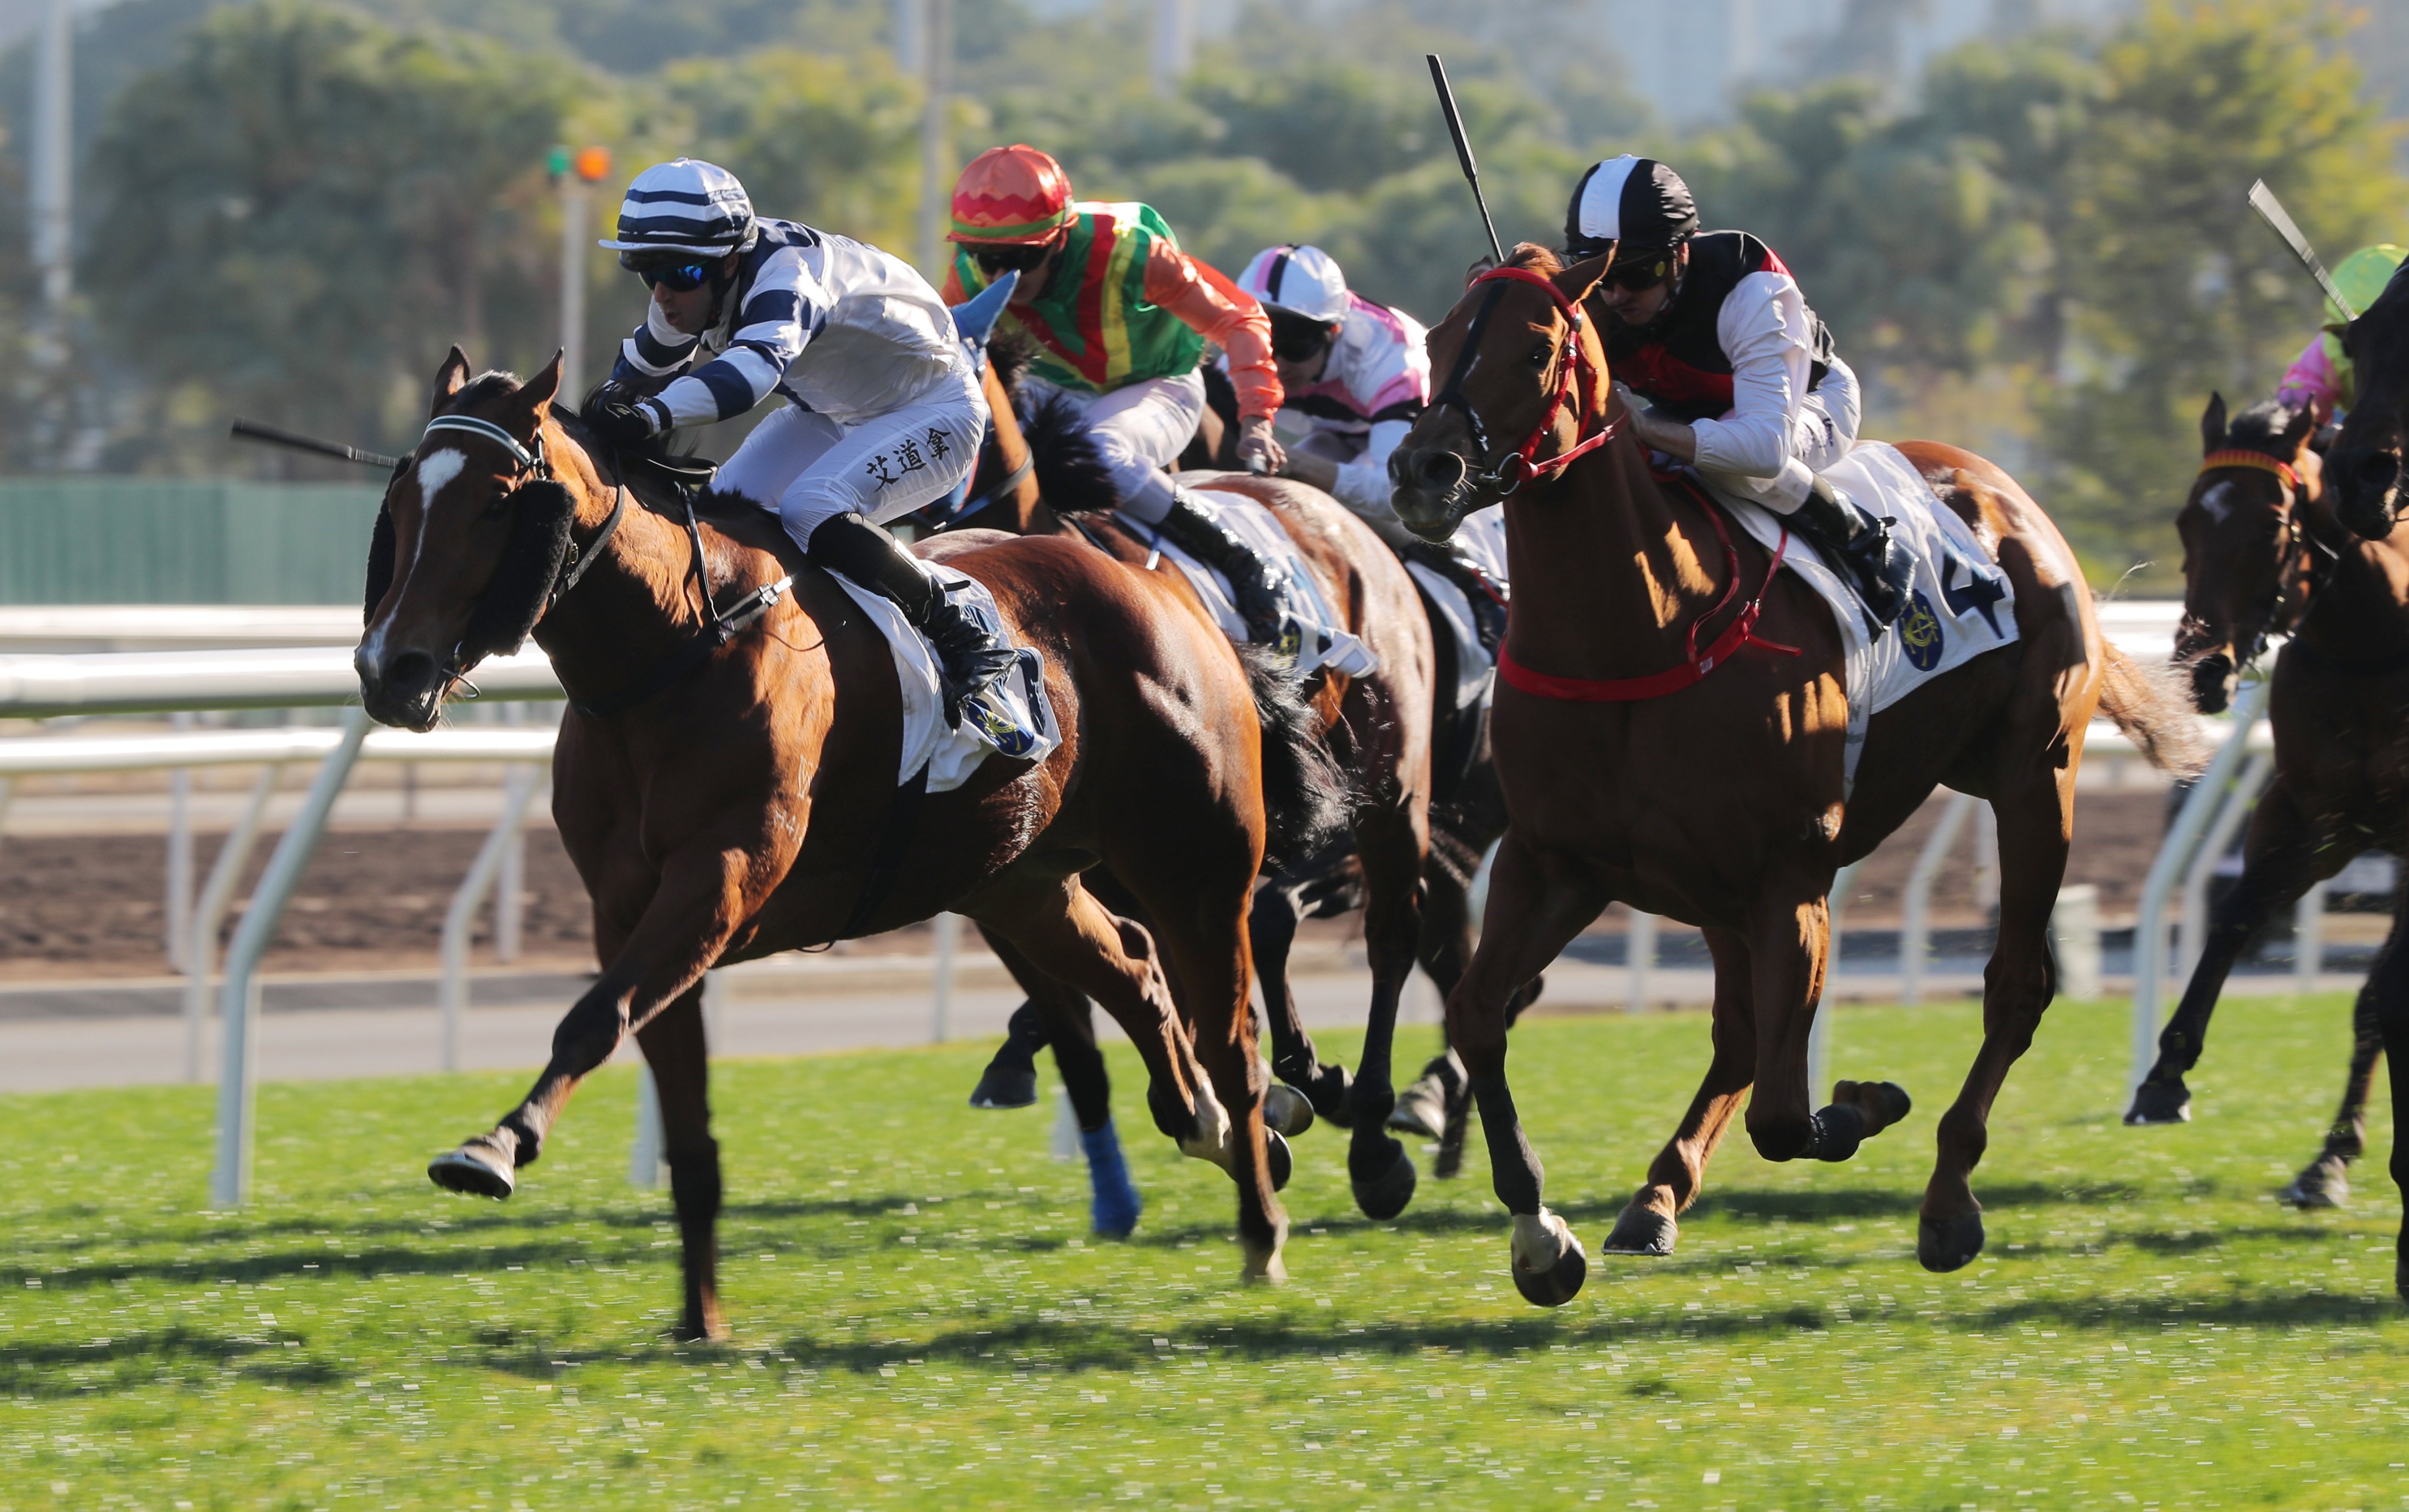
point(1960, 606)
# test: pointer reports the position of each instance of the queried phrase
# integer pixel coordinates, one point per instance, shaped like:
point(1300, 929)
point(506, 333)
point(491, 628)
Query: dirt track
point(92, 905)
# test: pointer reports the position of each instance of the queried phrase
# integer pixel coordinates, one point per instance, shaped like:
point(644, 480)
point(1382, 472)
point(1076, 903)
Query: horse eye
point(1539, 355)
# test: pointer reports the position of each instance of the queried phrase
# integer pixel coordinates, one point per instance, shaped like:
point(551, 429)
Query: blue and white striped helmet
point(686, 207)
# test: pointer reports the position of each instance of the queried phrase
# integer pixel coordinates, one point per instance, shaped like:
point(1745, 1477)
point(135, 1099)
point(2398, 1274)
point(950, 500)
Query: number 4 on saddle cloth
point(1960, 606)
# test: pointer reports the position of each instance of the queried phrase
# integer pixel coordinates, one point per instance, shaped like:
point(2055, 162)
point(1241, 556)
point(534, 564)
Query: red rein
point(1742, 631)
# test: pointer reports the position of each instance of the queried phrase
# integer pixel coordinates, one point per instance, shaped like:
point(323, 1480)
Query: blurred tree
point(299, 213)
point(831, 141)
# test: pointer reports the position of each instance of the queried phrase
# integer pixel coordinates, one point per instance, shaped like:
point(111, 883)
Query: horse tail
point(2153, 709)
point(1305, 794)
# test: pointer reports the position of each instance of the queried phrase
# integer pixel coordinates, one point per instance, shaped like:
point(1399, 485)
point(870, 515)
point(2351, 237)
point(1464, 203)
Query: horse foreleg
point(675, 1047)
point(2325, 1182)
point(2036, 819)
point(1533, 913)
point(1647, 1225)
point(1064, 1020)
point(2285, 854)
point(1392, 843)
point(1438, 1104)
point(2391, 984)
point(1271, 931)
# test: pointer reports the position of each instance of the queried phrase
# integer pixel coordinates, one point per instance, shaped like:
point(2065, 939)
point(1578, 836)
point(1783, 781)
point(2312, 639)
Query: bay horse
point(2264, 556)
point(1040, 477)
point(726, 796)
point(2364, 469)
point(1724, 804)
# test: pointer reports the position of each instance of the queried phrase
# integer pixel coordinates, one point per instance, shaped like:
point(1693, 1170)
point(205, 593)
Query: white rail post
point(1987, 862)
point(2309, 938)
point(644, 1153)
point(2074, 936)
point(2174, 852)
point(179, 859)
point(941, 1006)
point(209, 914)
point(519, 786)
point(1819, 1034)
point(239, 1004)
point(1915, 922)
point(1639, 959)
point(510, 888)
point(2191, 940)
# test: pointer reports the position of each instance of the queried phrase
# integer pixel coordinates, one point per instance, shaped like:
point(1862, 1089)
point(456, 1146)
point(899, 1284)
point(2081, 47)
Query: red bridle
point(1522, 464)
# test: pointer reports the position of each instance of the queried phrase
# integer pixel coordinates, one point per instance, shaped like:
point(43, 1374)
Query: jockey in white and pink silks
point(1356, 377)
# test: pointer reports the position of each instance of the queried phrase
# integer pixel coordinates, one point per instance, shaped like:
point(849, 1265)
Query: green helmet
point(2361, 277)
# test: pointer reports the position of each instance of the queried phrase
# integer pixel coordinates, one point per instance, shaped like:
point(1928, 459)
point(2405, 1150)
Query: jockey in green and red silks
point(1120, 317)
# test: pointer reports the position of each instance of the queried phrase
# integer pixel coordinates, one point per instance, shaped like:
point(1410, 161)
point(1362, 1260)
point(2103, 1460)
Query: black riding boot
point(1258, 587)
point(970, 655)
point(1488, 596)
point(1861, 545)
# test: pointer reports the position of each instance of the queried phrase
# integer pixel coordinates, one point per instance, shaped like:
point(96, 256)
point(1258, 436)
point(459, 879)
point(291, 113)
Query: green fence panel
point(141, 541)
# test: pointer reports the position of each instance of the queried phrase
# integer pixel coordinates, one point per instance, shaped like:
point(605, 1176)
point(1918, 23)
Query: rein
point(1521, 463)
point(1741, 632)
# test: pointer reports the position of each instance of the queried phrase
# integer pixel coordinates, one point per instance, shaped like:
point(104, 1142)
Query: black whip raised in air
point(1463, 152)
point(252, 430)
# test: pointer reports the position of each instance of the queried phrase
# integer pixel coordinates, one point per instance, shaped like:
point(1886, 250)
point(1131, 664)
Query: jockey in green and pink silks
point(2321, 374)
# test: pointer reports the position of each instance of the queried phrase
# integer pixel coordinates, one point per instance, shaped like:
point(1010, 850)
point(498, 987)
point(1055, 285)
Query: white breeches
point(1821, 434)
point(809, 468)
point(1140, 429)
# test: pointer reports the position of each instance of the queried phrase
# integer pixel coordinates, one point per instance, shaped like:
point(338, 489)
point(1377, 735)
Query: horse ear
point(2211, 424)
point(1579, 279)
point(538, 390)
point(2299, 428)
point(450, 378)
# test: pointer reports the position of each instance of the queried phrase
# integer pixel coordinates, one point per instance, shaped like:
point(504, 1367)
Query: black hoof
point(1326, 1087)
point(1005, 1086)
point(2316, 1187)
point(1558, 1285)
point(472, 1170)
point(1949, 1245)
point(2158, 1102)
point(1282, 1163)
point(1385, 1196)
point(1286, 1110)
point(1838, 1130)
point(1449, 1164)
point(1886, 1101)
point(1642, 1231)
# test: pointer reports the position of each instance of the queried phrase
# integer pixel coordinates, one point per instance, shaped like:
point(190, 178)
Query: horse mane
point(1010, 354)
point(1536, 258)
point(2263, 427)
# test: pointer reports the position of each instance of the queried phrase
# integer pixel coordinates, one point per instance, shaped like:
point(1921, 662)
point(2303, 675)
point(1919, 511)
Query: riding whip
point(252, 430)
point(1463, 152)
point(2271, 211)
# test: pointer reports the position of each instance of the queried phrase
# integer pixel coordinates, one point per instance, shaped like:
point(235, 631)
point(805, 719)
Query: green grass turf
point(920, 1319)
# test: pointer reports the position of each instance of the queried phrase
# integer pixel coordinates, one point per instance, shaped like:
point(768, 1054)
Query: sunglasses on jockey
point(672, 272)
point(1640, 269)
point(996, 259)
point(1297, 337)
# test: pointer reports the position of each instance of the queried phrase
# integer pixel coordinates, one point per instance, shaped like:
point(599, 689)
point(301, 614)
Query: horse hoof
point(1327, 1089)
point(1385, 1196)
point(1449, 1164)
point(2316, 1187)
point(1286, 1110)
point(1883, 1103)
point(1282, 1163)
point(1642, 1231)
point(1840, 1128)
point(1421, 1110)
point(1554, 1284)
point(472, 1169)
point(1949, 1245)
point(2153, 1102)
point(1264, 1270)
point(1005, 1086)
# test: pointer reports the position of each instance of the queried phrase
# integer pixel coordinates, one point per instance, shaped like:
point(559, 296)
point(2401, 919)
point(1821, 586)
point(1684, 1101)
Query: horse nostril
point(2379, 470)
point(1440, 470)
point(410, 672)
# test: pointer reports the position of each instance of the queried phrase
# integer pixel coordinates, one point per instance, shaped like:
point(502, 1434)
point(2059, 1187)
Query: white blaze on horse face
point(2219, 500)
point(435, 469)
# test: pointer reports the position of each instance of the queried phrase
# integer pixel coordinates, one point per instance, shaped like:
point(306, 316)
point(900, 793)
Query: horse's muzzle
point(403, 688)
point(2367, 487)
point(1430, 490)
point(2213, 678)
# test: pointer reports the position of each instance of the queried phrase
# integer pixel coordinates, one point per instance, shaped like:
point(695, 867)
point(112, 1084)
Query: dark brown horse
point(1723, 804)
point(745, 802)
point(2364, 469)
point(1378, 726)
point(2263, 557)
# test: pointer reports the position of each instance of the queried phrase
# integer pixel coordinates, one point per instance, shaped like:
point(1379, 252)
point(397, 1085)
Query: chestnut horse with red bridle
point(1669, 733)
point(727, 780)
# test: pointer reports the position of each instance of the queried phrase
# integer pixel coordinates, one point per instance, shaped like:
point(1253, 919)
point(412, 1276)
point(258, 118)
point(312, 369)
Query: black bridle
point(2296, 591)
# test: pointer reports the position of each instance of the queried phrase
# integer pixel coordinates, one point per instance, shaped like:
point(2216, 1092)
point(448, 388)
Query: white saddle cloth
point(1482, 536)
point(1011, 718)
point(1961, 605)
point(1324, 642)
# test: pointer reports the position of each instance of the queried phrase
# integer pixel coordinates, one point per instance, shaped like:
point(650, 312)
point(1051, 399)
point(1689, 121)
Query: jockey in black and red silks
point(1740, 376)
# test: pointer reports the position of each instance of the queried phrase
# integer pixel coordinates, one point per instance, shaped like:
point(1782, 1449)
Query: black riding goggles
point(1010, 257)
point(1297, 337)
point(1645, 271)
point(683, 278)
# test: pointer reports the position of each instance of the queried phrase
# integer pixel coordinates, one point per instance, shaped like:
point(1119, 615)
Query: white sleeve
point(1764, 331)
point(1363, 483)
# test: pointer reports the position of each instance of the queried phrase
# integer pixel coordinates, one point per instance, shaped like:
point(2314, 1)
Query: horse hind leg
point(1649, 1223)
point(1392, 840)
point(1058, 1017)
point(1271, 931)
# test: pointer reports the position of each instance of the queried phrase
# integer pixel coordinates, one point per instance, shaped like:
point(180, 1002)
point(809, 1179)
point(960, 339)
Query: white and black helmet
point(1304, 280)
point(686, 208)
point(1636, 201)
